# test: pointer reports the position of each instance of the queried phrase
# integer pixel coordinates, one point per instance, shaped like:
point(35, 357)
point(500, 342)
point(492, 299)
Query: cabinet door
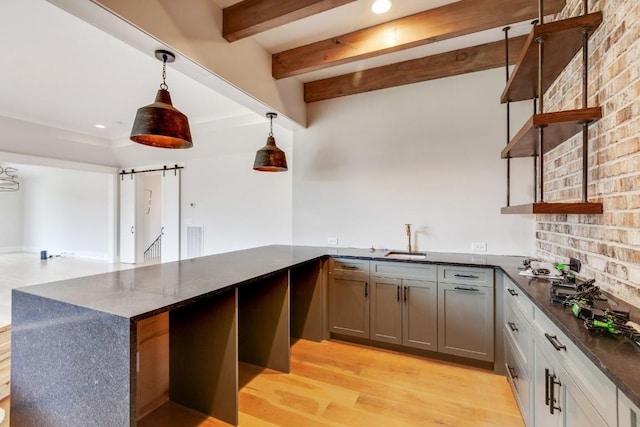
point(547, 375)
point(579, 411)
point(386, 310)
point(349, 305)
point(420, 314)
point(628, 413)
point(465, 321)
point(519, 378)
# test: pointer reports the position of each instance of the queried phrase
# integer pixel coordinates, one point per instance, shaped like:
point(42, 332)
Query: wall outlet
point(332, 241)
point(479, 246)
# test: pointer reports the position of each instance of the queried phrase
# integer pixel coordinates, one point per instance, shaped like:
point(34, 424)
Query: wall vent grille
point(195, 241)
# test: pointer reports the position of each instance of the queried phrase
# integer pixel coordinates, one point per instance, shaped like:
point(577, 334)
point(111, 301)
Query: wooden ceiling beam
point(445, 22)
point(461, 61)
point(251, 17)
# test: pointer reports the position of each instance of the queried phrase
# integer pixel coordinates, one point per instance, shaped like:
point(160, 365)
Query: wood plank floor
point(340, 384)
point(4, 404)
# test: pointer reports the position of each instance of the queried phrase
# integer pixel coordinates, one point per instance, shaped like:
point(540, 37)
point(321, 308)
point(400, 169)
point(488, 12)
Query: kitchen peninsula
point(75, 342)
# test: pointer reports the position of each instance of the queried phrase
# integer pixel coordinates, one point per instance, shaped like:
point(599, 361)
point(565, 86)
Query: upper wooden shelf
point(555, 208)
point(558, 127)
point(562, 40)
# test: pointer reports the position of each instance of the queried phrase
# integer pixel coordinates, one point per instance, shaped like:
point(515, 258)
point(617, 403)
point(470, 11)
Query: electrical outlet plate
point(332, 240)
point(479, 246)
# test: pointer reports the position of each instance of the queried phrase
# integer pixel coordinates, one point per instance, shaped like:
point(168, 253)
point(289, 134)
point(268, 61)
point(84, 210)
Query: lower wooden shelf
point(558, 127)
point(554, 208)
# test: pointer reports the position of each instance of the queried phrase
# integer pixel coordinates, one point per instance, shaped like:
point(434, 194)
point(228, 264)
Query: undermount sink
point(406, 255)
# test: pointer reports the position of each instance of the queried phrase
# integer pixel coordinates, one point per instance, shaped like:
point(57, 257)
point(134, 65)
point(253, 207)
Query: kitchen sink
point(406, 255)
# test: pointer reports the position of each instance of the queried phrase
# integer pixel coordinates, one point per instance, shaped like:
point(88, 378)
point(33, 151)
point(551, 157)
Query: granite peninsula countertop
point(144, 291)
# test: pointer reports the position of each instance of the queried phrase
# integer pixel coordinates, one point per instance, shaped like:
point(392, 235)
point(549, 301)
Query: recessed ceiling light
point(100, 126)
point(381, 6)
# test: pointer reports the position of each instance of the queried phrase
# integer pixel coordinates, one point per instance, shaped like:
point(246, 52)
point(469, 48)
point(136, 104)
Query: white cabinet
point(548, 398)
point(594, 393)
point(553, 381)
point(518, 346)
point(559, 399)
point(628, 413)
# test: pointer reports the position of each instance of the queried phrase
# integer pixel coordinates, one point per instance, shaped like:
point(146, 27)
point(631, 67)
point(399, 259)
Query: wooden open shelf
point(554, 208)
point(558, 127)
point(562, 40)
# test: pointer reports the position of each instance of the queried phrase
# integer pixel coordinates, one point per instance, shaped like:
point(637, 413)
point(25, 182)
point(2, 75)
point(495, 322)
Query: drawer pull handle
point(460, 288)
point(466, 276)
point(406, 291)
point(366, 289)
point(349, 267)
point(552, 397)
point(546, 386)
point(398, 291)
point(512, 292)
point(512, 326)
point(553, 339)
point(512, 372)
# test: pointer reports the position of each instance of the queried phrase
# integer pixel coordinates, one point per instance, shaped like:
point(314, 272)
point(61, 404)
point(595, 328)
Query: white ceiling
point(58, 70)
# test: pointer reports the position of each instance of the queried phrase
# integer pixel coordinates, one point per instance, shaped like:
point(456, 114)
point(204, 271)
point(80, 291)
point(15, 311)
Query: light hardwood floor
point(4, 404)
point(341, 384)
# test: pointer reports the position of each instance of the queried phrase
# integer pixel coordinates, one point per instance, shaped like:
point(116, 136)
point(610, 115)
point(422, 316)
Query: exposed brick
point(607, 244)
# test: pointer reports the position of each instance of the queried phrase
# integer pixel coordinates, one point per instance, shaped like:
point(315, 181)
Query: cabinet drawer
point(516, 297)
point(594, 384)
point(404, 270)
point(518, 376)
point(465, 275)
point(519, 331)
point(348, 266)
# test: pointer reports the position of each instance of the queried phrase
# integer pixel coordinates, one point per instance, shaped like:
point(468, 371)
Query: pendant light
point(270, 158)
point(160, 124)
point(9, 179)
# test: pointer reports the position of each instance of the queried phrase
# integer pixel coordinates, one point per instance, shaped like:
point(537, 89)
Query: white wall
point(11, 220)
point(426, 154)
point(69, 211)
point(237, 206)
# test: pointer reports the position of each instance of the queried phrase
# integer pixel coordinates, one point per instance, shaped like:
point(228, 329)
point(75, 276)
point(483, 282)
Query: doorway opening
point(150, 215)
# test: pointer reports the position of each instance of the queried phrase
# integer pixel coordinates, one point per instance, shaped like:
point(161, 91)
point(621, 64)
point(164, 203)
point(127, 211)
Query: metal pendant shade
point(270, 158)
point(161, 124)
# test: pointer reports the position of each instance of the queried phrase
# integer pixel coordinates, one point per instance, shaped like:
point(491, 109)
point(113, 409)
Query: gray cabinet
point(465, 312)
point(404, 304)
point(386, 310)
point(420, 314)
point(349, 297)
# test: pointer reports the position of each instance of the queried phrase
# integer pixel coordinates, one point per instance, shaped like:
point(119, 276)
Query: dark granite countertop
point(616, 356)
point(144, 291)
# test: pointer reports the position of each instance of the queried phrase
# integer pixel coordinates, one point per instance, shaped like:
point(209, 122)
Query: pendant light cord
point(270, 125)
point(163, 85)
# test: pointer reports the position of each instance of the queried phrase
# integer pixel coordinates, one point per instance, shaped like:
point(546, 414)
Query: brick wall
point(608, 244)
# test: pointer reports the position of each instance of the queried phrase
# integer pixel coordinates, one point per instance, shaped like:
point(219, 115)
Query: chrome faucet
point(408, 226)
